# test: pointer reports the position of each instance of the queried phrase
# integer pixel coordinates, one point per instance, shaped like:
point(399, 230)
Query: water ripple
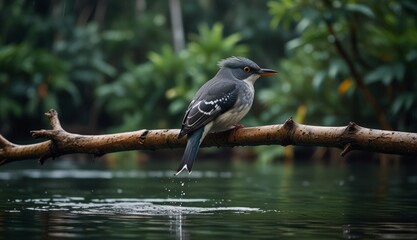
point(130, 206)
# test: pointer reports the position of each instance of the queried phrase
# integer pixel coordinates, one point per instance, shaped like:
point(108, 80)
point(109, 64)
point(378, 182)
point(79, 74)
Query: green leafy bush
point(155, 94)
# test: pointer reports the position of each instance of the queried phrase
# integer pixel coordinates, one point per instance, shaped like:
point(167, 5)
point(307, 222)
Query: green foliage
point(29, 76)
point(380, 40)
point(53, 57)
point(156, 93)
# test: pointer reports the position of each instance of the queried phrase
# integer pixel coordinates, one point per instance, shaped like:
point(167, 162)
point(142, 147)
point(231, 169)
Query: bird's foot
point(237, 127)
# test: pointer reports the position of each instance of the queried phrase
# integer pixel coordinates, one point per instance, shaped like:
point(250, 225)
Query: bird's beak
point(266, 72)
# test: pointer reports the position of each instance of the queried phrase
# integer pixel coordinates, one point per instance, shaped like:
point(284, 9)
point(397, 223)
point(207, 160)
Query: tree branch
point(351, 137)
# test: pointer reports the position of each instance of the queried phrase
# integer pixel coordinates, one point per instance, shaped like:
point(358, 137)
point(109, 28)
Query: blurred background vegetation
point(111, 66)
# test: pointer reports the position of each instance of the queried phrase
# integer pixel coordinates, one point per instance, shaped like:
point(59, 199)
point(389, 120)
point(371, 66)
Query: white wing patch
point(216, 107)
point(201, 112)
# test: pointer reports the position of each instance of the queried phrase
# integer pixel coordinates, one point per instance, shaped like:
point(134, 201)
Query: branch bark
point(348, 138)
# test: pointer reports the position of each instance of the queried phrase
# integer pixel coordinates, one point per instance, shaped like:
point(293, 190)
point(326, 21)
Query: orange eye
point(246, 69)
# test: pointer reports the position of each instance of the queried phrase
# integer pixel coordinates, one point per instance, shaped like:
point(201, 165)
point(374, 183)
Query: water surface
point(297, 200)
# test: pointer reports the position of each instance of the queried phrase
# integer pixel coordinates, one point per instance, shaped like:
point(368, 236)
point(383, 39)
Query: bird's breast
point(242, 106)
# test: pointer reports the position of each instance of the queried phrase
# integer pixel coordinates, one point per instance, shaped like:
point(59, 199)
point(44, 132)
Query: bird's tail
point(191, 150)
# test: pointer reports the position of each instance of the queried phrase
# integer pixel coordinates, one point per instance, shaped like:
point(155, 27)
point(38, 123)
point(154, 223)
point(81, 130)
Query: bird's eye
point(246, 69)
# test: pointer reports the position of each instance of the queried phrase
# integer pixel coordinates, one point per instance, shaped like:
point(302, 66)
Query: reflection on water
point(104, 174)
point(240, 200)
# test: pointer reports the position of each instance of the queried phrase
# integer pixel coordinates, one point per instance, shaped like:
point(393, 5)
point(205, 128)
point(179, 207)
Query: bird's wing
point(207, 105)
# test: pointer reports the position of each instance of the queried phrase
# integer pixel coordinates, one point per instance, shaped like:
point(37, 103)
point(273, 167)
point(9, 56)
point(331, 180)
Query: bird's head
point(244, 69)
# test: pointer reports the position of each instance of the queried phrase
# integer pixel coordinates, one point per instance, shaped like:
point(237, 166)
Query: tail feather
point(190, 152)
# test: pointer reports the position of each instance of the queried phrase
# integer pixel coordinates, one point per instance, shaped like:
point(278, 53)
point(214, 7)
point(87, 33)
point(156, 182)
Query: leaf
point(404, 101)
point(103, 67)
point(386, 74)
point(319, 79)
point(301, 113)
point(360, 8)
point(303, 25)
point(283, 12)
point(412, 55)
point(277, 10)
point(293, 44)
point(310, 16)
point(345, 86)
point(337, 66)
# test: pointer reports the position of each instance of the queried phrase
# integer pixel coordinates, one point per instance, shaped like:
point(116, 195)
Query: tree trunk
point(176, 25)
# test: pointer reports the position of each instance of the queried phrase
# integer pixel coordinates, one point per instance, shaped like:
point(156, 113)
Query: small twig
point(346, 149)
point(52, 115)
point(4, 143)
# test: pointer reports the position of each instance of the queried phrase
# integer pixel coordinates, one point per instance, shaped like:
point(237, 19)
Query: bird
point(219, 104)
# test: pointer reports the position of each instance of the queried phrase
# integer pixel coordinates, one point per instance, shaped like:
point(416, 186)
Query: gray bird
point(219, 104)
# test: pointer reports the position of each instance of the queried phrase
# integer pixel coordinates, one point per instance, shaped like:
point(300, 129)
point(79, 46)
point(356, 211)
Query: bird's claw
point(237, 127)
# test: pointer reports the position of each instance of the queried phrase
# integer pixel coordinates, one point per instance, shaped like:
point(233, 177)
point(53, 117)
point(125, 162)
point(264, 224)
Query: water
point(300, 200)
